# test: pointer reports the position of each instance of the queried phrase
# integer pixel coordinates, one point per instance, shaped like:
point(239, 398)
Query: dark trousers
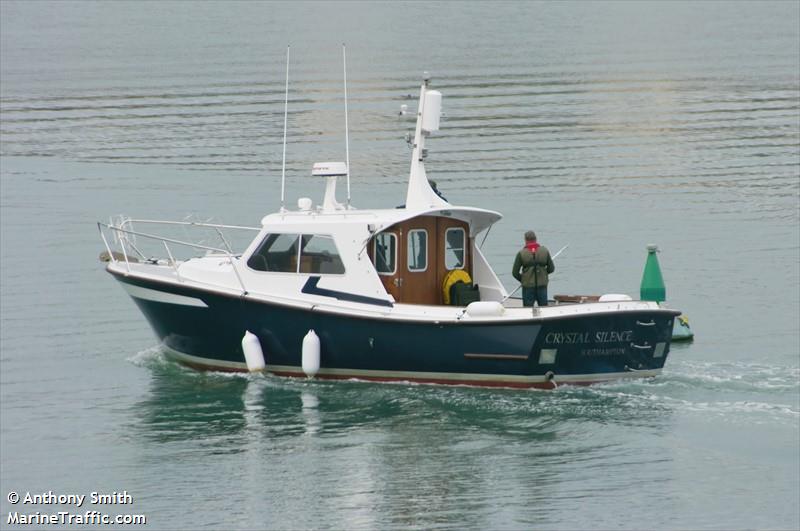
point(529, 295)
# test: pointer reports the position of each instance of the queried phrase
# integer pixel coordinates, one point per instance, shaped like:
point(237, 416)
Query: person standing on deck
point(532, 268)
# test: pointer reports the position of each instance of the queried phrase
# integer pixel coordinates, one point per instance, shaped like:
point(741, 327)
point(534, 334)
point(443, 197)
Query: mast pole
point(420, 193)
point(419, 139)
point(285, 121)
point(346, 127)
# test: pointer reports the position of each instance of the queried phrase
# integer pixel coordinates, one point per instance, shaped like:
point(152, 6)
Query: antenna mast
point(285, 116)
point(346, 128)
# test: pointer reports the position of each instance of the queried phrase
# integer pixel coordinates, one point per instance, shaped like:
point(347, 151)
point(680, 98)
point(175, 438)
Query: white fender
point(614, 297)
point(253, 354)
point(311, 354)
point(485, 309)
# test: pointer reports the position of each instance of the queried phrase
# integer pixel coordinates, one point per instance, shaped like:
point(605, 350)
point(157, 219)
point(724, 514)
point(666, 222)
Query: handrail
point(216, 226)
point(164, 240)
point(188, 223)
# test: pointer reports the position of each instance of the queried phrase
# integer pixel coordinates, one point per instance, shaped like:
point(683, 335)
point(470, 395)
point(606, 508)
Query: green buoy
point(652, 288)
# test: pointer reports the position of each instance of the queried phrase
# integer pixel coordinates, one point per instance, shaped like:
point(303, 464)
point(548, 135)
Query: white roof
point(478, 219)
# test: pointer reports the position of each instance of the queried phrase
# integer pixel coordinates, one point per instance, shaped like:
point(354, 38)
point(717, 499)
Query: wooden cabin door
point(384, 251)
point(452, 249)
point(419, 266)
point(413, 257)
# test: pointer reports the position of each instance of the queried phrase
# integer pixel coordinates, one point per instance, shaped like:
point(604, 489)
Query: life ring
point(454, 276)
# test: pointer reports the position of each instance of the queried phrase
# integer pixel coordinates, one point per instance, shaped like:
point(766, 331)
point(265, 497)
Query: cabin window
point(386, 253)
point(417, 251)
point(319, 255)
point(455, 239)
point(279, 253)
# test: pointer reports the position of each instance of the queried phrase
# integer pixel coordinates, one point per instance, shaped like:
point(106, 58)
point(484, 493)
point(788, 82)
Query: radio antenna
point(285, 116)
point(346, 128)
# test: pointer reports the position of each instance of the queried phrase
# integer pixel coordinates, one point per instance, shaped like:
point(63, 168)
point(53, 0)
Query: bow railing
point(126, 237)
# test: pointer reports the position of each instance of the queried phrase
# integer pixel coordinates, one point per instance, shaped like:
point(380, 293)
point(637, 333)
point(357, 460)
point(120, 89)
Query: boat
point(404, 294)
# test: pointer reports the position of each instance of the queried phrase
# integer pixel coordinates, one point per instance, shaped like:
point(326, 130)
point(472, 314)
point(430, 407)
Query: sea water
point(602, 126)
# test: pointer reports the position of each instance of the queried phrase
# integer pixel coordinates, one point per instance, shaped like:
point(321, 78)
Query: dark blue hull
point(530, 353)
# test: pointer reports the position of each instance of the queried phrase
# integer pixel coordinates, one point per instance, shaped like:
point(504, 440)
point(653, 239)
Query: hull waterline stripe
point(516, 357)
point(493, 380)
point(162, 296)
point(204, 363)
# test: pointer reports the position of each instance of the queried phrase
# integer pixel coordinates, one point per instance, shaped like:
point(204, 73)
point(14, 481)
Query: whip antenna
point(346, 128)
point(285, 116)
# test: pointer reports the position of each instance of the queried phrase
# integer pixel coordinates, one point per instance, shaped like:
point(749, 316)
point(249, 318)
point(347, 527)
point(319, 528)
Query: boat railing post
point(124, 235)
point(133, 246)
point(122, 240)
point(105, 241)
point(224, 241)
point(172, 261)
point(236, 272)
